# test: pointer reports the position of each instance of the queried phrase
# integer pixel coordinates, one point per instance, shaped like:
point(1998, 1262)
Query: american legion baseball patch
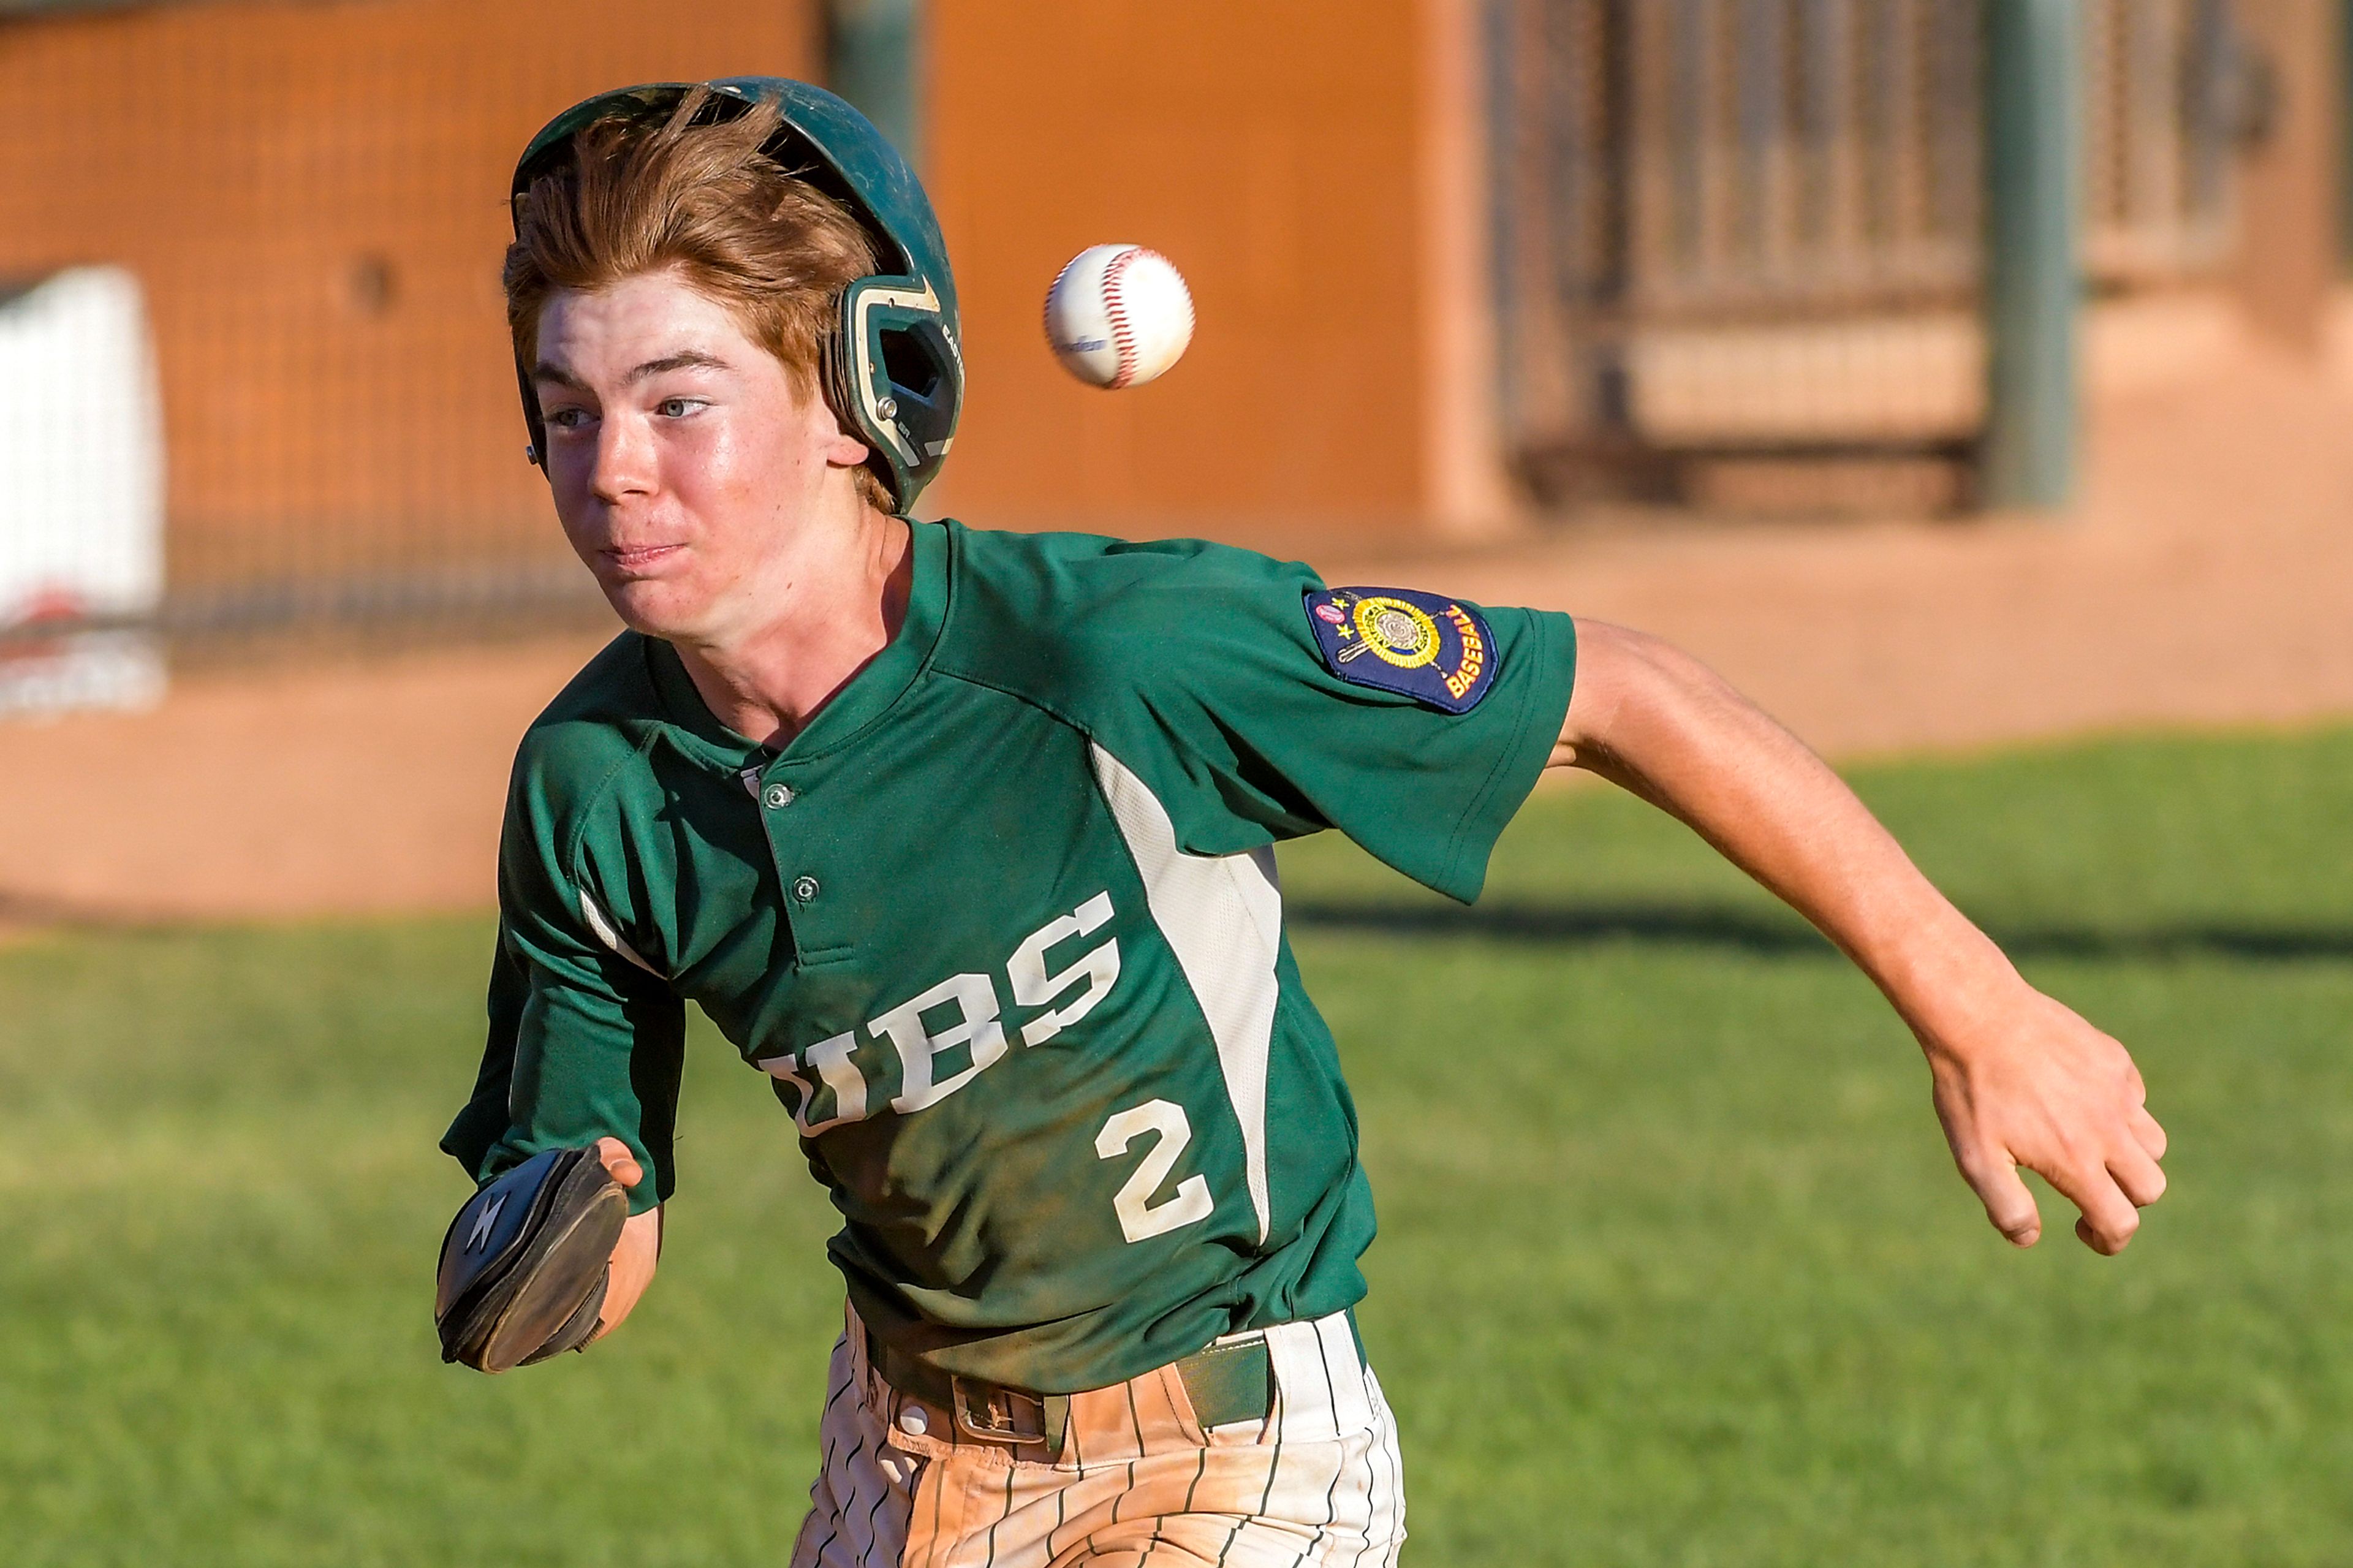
point(1396, 639)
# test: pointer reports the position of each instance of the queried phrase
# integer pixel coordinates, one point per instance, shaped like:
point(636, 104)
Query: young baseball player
point(965, 840)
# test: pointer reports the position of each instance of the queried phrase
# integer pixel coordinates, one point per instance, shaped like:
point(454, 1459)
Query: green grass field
point(1674, 1269)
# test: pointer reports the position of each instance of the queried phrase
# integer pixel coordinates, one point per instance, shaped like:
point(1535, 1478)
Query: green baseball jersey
point(1002, 927)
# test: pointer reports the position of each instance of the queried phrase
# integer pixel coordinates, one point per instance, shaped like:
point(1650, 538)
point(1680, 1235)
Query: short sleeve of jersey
point(583, 1043)
point(1247, 728)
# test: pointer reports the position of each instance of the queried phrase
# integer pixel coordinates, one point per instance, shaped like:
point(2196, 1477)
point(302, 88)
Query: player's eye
point(677, 408)
point(567, 418)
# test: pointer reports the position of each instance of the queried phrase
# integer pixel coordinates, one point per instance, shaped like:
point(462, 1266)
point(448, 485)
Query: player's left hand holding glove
point(527, 1266)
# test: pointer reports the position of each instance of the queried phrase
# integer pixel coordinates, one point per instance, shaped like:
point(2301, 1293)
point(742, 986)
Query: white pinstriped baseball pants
point(1138, 1484)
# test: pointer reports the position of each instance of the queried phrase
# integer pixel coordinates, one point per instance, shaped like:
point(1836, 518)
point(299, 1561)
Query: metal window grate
point(1754, 226)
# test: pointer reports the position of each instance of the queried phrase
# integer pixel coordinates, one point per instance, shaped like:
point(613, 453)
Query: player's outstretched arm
point(2020, 1079)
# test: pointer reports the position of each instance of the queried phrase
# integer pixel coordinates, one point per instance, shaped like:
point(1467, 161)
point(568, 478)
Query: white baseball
point(1118, 315)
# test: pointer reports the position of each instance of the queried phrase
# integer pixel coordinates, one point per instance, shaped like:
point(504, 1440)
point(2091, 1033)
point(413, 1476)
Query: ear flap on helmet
point(895, 375)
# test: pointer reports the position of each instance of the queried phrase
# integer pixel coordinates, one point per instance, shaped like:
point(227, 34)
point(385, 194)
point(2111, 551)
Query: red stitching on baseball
point(1046, 319)
point(1122, 336)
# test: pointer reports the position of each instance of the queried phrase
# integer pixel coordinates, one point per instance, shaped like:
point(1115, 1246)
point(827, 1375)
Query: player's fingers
point(619, 1164)
point(2109, 1216)
point(2136, 1175)
point(2148, 1133)
point(2007, 1202)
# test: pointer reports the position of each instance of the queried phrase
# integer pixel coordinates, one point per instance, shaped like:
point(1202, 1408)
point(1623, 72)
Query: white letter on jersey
point(1139, 1217)
point(975, 999)
point(832, 1059)
point(1033, 987)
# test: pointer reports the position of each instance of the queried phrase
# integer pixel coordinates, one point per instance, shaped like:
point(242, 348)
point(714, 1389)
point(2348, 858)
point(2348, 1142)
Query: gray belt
point(1226, 1384)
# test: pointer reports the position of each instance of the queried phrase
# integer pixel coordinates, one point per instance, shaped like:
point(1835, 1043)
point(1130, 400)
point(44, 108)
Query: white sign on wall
point(81, 491)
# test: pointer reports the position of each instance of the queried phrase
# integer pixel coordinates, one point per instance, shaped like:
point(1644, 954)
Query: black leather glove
point(523, 1266)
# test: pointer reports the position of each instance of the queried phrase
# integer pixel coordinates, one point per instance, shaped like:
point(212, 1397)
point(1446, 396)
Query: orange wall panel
point(1270, 151)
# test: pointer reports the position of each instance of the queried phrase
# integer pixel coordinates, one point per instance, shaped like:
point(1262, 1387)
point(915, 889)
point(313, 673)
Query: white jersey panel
point(1222, 917)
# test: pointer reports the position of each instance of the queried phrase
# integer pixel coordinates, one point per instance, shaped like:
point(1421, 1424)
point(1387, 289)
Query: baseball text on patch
point(1395, 639)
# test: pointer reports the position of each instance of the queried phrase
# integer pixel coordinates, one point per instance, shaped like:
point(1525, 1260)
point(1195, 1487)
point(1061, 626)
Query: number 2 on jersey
point(1139, 1217)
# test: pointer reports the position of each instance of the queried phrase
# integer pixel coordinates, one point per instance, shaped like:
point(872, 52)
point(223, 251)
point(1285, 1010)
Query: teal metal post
point(873, 58)
point(2033, 274)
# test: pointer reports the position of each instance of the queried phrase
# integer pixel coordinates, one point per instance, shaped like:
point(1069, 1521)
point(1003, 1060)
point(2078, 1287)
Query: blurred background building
point(1462, 266)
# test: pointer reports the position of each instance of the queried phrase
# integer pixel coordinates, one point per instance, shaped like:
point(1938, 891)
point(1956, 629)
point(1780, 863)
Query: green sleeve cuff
point(1543, 708)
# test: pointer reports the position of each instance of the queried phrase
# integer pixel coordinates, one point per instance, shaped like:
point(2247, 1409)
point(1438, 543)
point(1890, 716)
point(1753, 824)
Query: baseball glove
point(523, 1266)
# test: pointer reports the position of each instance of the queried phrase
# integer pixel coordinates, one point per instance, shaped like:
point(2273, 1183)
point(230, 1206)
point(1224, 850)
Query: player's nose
point(625, 460)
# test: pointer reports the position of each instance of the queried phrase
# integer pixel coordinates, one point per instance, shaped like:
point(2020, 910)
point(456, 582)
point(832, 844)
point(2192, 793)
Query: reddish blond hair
point(637, 197)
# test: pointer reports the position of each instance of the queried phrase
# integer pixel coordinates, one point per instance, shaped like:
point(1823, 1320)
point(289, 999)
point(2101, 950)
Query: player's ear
point(845, 452)
point(842, 447)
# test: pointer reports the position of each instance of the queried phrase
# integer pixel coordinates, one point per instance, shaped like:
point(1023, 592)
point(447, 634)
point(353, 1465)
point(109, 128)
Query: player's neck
point(828, 605)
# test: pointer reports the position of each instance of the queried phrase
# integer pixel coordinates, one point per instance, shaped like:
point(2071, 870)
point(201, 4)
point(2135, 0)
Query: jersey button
point(777, 796)
point(805, 889)
point(914, 1422)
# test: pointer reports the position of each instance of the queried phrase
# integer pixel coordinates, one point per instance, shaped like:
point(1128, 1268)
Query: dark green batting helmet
point(892, 372)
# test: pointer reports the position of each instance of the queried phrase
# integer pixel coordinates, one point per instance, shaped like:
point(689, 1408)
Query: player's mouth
point(636, 559)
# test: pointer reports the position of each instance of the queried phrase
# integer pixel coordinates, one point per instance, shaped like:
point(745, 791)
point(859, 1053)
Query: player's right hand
point(2023, 1082)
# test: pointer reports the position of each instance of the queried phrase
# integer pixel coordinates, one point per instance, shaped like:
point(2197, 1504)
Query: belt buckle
point(989, 1412)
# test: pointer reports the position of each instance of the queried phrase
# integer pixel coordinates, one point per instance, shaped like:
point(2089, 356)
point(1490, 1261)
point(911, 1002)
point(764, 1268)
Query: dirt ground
point(2203, 580)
